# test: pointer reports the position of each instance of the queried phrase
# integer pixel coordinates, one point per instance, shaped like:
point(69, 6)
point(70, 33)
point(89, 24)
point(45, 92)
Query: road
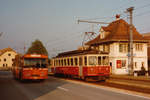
point(57, 89)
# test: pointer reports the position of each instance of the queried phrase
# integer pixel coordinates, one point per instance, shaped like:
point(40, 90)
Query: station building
point(147, 36)
point(114, 39)
point(7, 56)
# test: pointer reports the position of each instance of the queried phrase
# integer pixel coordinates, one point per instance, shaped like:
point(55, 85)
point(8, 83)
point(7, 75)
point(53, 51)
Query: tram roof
point(79, 52)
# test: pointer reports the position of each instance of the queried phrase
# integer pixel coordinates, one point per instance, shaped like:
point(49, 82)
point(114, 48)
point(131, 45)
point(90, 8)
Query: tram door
point(80, 66)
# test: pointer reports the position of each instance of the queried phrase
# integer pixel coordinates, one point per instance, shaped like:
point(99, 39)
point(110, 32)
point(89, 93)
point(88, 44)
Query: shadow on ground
point(11, 89)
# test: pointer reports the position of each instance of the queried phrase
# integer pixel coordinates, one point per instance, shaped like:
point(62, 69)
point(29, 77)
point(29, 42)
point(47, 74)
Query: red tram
point(83, 64)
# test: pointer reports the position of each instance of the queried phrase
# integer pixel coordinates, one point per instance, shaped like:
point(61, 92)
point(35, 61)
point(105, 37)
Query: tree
point(37, 48)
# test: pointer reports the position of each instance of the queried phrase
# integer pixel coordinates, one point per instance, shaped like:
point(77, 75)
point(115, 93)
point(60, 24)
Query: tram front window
point(35, 62)
point(92, 60)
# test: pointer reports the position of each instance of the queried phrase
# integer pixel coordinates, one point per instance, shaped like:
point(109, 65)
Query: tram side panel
point(100, 71)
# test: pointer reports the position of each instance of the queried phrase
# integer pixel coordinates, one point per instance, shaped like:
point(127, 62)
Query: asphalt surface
point(57, 89)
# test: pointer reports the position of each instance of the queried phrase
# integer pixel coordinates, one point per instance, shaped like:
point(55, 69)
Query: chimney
point(117, 17)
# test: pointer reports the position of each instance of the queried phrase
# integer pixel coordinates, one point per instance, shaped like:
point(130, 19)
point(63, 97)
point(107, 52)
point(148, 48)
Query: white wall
point(140, 56)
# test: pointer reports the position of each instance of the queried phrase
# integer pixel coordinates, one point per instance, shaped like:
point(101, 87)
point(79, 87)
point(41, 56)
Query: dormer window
point(9, 54)
point(102, 35)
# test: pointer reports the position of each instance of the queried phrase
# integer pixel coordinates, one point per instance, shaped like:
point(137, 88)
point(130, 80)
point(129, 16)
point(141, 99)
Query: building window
point(121, 63)
point(106, 48)
point(3, 65)
point(123, 47)
point(142, 64)
point(9, 54)
point(139, 47)
point(135, 64)
point(0, 60)
point(4, 59)
point(12, 59)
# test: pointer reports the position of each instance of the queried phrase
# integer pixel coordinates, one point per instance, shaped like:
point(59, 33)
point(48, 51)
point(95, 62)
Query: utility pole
point(130, 56)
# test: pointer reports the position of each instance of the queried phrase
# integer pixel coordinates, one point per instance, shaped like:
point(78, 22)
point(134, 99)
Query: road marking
point(62, 88)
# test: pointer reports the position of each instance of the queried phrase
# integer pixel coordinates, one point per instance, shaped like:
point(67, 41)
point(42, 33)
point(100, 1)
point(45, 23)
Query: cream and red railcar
point(83, 64)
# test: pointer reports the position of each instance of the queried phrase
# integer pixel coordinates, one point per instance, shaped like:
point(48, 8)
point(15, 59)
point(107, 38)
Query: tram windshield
point(35, 62)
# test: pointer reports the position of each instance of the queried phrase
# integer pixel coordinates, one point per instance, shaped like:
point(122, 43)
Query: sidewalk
point(127, 77)
point(140, 82)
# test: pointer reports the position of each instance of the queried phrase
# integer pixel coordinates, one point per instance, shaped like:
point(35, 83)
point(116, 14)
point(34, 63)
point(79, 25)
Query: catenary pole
point(130, 56)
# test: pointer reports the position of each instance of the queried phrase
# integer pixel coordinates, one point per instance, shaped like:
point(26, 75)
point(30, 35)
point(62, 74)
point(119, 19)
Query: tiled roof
point(146, 34)
point(117, 31)
point(5, 50)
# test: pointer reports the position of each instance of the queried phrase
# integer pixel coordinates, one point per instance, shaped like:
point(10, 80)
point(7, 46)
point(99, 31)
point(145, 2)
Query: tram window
point(105, 60)
point(68, 61)
point(71, 61)
point(65, 62)
point(76, 61)
point(99, 60)
point(85, 60)
point(80, 61)
point(54, 63)
point(59, 63)
point(62, 62)
point(92, 60)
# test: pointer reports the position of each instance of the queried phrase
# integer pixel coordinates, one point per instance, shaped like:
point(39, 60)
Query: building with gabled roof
point(114, 39)
point(7, 56)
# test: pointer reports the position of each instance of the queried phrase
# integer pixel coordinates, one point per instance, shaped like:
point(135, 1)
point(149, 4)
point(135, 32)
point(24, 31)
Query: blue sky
point(54, 22)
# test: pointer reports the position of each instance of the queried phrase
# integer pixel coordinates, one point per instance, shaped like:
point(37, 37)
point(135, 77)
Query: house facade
point(7, 56)
point(147, 36)
point(114, 39)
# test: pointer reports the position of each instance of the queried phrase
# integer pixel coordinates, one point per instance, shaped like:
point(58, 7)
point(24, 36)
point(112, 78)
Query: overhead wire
point(68, 36)
point(122, 15)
